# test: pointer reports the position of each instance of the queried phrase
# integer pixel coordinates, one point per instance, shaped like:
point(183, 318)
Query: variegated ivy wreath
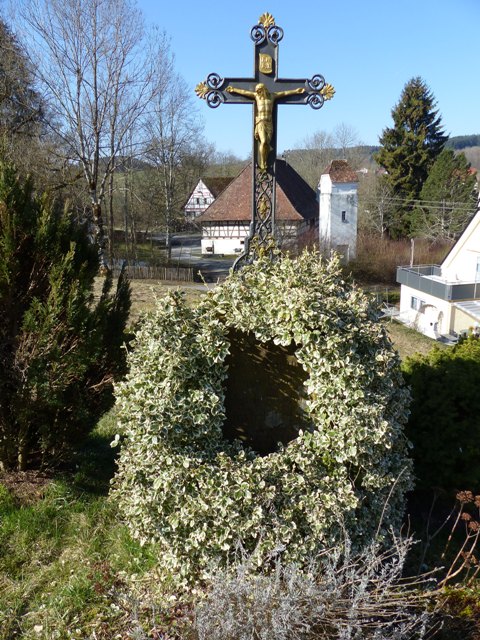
point(182, 485)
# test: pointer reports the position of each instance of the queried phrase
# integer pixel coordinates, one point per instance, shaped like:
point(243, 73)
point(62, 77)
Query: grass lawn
point(68, 568)
point(145, 292)
point(408, 341)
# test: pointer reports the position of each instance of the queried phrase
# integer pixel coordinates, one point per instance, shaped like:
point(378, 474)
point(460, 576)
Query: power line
point(427, 204)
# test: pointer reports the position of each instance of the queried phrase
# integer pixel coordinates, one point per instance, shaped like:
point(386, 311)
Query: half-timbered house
point(205, 192)
point(225, 224)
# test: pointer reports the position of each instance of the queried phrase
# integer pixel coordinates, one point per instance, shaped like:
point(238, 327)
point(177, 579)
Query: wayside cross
point(265, 91)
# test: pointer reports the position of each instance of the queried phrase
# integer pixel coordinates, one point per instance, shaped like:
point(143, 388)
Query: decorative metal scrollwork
point(315, 100)
point(263, 195)
point(214, 81)
point(210, 90)
point(316, 83)
point(266, 30)
point(260, 240)
point(215, 99)
point(321, 91)
point(275, 34)
point(246, 257)
point(263, 206)
point(258, 34)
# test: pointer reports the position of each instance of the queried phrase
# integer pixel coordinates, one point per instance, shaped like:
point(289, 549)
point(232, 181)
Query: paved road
point(186, 249)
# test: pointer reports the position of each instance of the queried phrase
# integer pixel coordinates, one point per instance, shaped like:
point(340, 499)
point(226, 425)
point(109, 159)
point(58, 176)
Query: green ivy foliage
point(182, 485)
point(444, 425)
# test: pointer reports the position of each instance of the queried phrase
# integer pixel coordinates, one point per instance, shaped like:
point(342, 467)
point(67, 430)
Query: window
point(416, 304)
point(344, 216)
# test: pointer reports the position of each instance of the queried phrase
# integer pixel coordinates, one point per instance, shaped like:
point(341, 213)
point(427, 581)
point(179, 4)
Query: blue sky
point(368, 50)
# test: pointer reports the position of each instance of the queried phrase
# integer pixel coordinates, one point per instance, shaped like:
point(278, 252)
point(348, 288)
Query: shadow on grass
point(95, 466)
point(94, 463)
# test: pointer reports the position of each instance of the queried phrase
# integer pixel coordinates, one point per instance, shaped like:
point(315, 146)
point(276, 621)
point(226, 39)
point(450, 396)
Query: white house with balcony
point(444, 300)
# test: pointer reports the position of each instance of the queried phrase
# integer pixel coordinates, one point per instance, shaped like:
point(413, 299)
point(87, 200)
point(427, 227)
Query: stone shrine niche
point(280, 346)
point(264, 393)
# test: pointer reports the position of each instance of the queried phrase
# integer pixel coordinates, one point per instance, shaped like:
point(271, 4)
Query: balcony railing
point(427, 278)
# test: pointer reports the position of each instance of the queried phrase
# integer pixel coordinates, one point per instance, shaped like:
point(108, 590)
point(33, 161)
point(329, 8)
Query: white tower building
point(338, 197)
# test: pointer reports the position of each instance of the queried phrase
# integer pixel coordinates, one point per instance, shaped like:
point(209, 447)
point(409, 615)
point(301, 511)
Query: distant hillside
point(133, 164)
point(309, 162)
point(463, 142)
point(229, 168)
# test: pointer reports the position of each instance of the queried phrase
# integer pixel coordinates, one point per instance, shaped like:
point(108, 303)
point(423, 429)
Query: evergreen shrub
point(444, 425)
point(60, 349)
point(181, 484)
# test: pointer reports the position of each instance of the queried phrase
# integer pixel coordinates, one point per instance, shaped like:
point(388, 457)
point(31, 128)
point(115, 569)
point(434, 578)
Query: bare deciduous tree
point(314, 155)
point(90, 60)
point(347, 142)
point(376, 205)
point(174, 133)
point(320, 148)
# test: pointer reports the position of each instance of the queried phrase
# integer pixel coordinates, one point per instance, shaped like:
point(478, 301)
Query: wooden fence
point(177, 274)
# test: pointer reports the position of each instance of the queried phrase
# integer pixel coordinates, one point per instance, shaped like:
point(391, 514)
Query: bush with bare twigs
point(340, 596)
point(378, 257)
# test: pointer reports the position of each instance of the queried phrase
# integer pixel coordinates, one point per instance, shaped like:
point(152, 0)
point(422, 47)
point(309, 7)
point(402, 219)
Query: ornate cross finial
point(267, 20)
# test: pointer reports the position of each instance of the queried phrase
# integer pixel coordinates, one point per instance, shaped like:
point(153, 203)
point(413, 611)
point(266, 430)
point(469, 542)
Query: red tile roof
point(340, 171)
point(296, 200)
point(217, 184)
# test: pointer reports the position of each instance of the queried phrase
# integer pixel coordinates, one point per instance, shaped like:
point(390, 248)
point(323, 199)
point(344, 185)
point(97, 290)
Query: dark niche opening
point(264, 393)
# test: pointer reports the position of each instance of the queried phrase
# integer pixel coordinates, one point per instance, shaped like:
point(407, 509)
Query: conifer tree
point(60, 349)
point(21, 107)
point(448, 198)
point(23, 112)
point(409, 149)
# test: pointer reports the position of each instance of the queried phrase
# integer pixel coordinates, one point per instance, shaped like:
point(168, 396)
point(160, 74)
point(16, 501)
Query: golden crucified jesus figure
point(264, 101)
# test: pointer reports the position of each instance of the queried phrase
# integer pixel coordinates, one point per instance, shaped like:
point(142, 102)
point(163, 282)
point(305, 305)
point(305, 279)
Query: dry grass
point(408, 341)
point(145, 292)
point(26, 487)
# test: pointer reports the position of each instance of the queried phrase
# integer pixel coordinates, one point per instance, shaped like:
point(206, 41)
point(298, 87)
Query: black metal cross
point(265, 90)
